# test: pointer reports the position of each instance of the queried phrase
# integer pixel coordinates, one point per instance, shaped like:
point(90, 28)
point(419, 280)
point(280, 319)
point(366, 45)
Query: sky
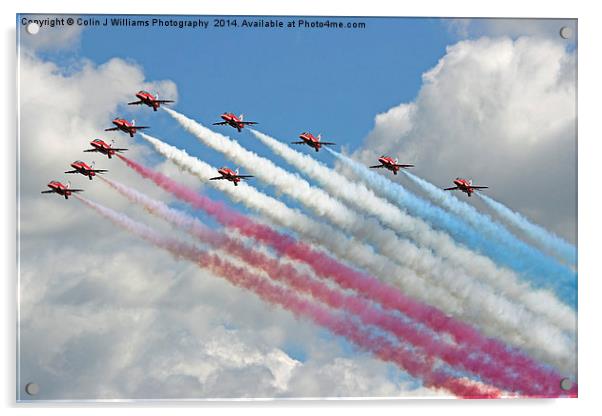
point(128, 326)
point(289, 81)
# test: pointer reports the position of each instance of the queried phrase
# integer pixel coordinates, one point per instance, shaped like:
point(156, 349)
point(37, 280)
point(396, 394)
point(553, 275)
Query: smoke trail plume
point(239, 276)
point(386, 241)
point(540, 301)
point(452, 285)
point(286, 182)
point(322, 204)
point(545, 238)
point(436, 270)
point(316, 232)
point(539, 268)
point(474, 265)
point(531, 381)
point(545, 343)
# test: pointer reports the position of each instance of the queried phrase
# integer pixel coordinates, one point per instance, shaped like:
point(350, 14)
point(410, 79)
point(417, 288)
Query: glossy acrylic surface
point(296, 207)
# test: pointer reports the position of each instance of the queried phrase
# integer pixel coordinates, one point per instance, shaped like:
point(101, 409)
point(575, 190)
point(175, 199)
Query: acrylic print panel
point(225, 207)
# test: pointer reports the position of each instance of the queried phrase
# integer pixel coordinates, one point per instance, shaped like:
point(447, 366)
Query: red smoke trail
point(489, 372)
point(546, 381)
point(339, 325)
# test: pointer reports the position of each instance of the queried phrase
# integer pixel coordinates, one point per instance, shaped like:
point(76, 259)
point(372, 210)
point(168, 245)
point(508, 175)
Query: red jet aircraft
point(102, 147)
point(313, 141)
point(231, 120)
point(125, 126)
point(390, 164)
point(230, 175)
point(85, 169)
point(59, 188)
point(465, 185)
point(146, 98)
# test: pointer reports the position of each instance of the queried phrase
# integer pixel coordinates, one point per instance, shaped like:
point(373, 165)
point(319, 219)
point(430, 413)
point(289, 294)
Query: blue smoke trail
point(532, 264)
point(550, 241)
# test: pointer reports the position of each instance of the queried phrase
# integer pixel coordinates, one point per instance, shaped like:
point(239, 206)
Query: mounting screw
point(566, 32)
point(33, 28)
point(566, 384)
point(32, 389)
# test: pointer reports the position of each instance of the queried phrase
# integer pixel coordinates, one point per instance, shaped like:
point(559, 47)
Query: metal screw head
point(32, 389)
point(33, 28)
point(566, 32)
point(566, 384)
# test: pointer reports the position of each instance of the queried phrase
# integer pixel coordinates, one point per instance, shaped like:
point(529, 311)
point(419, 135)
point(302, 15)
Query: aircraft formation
point(337, 239)
point(228, 119)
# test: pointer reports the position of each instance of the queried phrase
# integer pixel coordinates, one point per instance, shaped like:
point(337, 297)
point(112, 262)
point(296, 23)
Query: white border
point(590, 137)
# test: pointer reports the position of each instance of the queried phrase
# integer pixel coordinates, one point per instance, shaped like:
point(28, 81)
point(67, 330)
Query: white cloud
point(357, 377)
point(500, 111)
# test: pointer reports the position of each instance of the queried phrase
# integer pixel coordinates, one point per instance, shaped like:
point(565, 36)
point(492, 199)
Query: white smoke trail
point(495, 316)
point(317, 232)
point(474, 265)
point(401, 251)
point(545, 238)
point(385, 240)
